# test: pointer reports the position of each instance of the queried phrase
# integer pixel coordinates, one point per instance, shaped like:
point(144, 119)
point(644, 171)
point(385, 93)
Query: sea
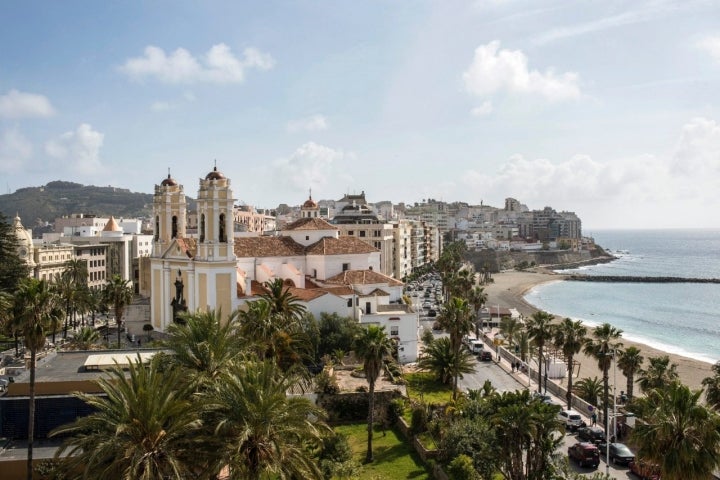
point(679, 318)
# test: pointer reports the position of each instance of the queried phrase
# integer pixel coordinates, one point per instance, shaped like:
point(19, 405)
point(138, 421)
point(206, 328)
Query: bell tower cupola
point(169, 214)
point(215, 218)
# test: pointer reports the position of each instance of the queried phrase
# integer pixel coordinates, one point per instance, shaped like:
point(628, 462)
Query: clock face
point(23, 252)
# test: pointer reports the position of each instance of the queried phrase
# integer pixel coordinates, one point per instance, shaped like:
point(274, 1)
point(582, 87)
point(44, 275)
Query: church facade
point(217, 268)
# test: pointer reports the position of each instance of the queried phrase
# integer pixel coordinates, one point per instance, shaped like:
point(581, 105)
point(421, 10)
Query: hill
point(38, 205)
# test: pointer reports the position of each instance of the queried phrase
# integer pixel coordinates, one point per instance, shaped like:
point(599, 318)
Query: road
point(502, 379)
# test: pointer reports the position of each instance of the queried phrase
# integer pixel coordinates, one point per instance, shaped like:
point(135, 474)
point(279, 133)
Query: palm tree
point(456, 319)
point(677, 432)
point(540, 331)
point(146, 426)
point(272, 334)
point(34, 307)
point(281, 301)
point(712, 387)
point(372, 345)
point(526, 432)
point(77, 270)
point(119, 294)
point(439, 358)
point(205, 345)
point(67, 292)
point(659, 373)
point(569, 337)
point(477, 298)
point(629, 363)
point(602, 346)
point(510, 327)
point(589, 389)
point(262, 432)
point(85, 338)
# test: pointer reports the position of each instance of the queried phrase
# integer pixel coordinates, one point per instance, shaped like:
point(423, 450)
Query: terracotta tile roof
point(188, 245)
point(380, 293)
point(362, 277)
point(340, 246)
point(310, 223)
point(307, 294)
point(267, 247)
point(339, 291)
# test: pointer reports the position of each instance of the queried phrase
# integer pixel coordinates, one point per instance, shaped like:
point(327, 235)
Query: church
point(217, 268)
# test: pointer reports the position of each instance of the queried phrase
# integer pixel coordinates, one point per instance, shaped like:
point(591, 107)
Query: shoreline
point(508, 290)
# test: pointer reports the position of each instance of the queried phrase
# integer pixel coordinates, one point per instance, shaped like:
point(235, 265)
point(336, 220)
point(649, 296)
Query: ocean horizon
point(678, 318)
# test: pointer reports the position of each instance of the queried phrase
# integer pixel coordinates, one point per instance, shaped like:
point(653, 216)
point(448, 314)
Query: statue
point(178, 303)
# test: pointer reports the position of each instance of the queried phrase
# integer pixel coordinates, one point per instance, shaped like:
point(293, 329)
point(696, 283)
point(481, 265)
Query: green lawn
point(393, 457)
point(424, 386)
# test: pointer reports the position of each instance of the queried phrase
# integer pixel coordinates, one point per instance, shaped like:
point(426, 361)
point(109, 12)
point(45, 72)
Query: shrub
point(361, 389)
point(418, 422)
point(326, 383)
point(461, 468)
point(396, 409)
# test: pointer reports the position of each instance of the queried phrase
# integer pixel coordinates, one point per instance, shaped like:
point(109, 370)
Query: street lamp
point(607, 419)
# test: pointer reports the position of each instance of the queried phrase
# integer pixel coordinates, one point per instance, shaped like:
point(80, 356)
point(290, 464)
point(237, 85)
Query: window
point(222, 237)
point(394, 331)
point(202, 228)
point(362, 233)
point(346, 267)
point(349, 303)
point(174, 226)
point(307, 237)
point(351, 232)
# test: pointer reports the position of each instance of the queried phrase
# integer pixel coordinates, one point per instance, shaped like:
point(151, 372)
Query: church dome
point(310, 203)
point(24, 240)
point(112, 226)
point(169, 182)
point(214, 175)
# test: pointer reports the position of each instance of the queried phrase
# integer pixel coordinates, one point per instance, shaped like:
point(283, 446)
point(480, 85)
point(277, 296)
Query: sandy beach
point(508, 290)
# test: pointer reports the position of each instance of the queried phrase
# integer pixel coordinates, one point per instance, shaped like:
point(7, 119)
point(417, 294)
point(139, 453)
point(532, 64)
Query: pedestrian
point(512, 365)
point(593, 417)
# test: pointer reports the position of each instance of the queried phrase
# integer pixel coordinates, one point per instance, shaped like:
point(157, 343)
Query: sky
point(610, 109)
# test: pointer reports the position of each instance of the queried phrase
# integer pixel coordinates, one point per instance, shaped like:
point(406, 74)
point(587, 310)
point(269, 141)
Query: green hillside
point(37, 205)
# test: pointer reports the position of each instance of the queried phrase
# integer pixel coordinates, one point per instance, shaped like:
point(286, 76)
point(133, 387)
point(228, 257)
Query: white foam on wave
point(650, 342)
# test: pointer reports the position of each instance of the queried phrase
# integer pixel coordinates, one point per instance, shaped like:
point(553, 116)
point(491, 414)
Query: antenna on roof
point(216, 163)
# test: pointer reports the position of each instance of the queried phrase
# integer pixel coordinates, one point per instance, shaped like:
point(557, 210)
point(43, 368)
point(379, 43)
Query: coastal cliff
point(495, 261)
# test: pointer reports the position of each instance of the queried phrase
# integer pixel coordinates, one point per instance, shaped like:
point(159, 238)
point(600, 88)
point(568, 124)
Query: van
point(476, 346)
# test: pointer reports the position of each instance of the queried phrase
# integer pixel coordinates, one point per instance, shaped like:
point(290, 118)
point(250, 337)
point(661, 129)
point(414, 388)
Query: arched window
point(222, 237)
point(202, 228)
point(174, 227)
point(157, 228)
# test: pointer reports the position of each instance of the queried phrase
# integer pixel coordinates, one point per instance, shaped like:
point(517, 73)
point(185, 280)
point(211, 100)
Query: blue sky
point(606, 108)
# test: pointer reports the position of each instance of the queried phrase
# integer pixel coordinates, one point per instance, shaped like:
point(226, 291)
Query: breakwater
point(637, 279)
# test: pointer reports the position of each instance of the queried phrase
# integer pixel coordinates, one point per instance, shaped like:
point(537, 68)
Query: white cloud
point(310, 166)
point(160, 106)
point(81, 148)
point(218, 65)
point(485, 108)
point(312, 123)
point(17, 104)
point(15, 151)
point(697, 153)
point(493, 70)
point(711, 45)
point(621, 188)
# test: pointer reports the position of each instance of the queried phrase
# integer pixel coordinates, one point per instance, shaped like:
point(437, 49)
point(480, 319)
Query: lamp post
point(607, 420)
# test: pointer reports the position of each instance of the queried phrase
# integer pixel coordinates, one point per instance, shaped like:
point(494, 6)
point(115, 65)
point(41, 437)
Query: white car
point(571, 419)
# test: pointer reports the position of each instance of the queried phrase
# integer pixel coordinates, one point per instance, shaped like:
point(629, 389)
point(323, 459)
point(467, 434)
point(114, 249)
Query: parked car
point(486, 356)
point(594, 435)
point(432, 313)
point(620, 454)
point(644, 470)
point(543, 397)
point(585, 454)
point(571, 419)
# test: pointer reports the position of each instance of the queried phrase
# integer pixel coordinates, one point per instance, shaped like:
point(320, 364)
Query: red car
point(486, 356)
point(644, 470)
point(585, 454)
